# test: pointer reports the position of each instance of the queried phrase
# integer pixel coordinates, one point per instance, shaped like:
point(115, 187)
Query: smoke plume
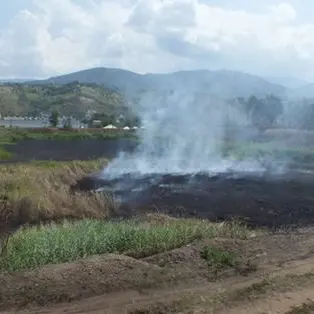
point(183, 132)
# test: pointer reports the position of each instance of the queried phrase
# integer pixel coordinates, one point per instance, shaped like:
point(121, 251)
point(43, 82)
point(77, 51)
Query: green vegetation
point(54, 118)
point(72, 99)
point(263, 113)
point(218, 258)
point(267, 151)
point(4, 155)
point(13, 135)
point(70, 241)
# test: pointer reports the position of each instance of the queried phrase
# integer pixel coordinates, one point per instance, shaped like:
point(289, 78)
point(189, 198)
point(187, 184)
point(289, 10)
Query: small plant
point(217, 258)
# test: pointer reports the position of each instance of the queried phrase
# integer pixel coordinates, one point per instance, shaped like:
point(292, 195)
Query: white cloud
point(58, 36)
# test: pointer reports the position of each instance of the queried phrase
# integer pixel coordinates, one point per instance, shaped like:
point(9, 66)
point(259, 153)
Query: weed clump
point(218, 258)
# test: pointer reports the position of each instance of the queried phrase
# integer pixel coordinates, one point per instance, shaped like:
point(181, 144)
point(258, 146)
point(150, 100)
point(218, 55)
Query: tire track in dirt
point(162, 300)
point(278, 303)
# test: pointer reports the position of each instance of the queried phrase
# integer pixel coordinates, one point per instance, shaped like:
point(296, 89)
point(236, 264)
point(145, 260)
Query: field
point(82, 252)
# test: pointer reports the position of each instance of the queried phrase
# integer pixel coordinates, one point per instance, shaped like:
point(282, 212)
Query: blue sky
point(41, 38)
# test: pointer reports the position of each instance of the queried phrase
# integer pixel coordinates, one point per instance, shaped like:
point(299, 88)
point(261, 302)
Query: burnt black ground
point(261, 200)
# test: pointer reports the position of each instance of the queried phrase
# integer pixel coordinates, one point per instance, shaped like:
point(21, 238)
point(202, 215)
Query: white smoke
point(182, 133)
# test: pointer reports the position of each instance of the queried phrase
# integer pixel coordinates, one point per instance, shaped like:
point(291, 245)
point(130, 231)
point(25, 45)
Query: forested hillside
point(69, 99)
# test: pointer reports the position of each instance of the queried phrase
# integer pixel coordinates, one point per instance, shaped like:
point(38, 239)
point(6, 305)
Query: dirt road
point(275, 273)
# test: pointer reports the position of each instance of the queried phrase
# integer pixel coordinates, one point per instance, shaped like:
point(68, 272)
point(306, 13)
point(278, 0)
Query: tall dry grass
point(39, 192)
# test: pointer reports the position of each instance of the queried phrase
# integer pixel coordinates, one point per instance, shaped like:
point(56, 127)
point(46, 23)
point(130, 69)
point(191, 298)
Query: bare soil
point(273, 273)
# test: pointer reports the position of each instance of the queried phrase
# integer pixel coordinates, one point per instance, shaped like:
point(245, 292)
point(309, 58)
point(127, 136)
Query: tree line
point(271, 111)
point(117, 119)
point(262, 113)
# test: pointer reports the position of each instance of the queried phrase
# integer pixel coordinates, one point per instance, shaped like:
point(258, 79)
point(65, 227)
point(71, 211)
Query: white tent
point(126, 128)
point(110, 126)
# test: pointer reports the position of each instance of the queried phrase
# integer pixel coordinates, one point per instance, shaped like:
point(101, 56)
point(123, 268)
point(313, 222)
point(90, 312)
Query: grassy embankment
point(39, 192)
point(13, 135)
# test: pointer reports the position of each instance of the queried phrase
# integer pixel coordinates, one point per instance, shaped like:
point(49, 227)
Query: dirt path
point(238, 293)
point(171, 282)
point(278, 303)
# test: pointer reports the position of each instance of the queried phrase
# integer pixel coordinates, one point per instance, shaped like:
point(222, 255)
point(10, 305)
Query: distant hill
point(70, 99)
point(306, 91)
point(286, 81)
point(221, 83)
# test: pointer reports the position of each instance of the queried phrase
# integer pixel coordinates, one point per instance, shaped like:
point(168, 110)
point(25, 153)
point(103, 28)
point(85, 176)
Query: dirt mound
point(115, 284)
point(82, 279)
point(266, 200)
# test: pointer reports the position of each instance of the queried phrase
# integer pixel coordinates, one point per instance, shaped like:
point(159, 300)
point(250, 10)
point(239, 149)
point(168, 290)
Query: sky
point(43, 38)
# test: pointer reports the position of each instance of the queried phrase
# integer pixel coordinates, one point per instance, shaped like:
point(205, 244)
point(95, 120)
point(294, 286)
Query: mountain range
point(223, 83)
point(107, 89)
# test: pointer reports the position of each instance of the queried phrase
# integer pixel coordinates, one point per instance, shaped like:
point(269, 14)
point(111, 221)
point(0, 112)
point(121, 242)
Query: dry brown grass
point(39, 192)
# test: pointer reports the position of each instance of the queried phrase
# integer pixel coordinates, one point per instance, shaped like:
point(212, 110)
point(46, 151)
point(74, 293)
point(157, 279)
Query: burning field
point(266, 200)
point(209, 170)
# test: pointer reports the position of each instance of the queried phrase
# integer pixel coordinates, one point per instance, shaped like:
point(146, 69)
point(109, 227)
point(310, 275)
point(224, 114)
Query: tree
point(306, 113)
point(54, 118)
point(131, 121)
point(263, 113)
point(67, 123)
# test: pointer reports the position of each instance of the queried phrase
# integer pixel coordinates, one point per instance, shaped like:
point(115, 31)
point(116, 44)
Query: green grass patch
point(218, 258)
point(4, 154)
point(33, 247)
point(268, 151)
point(13, 135)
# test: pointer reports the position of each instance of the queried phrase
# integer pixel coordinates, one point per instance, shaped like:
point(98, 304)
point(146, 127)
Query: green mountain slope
point(70, 99)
